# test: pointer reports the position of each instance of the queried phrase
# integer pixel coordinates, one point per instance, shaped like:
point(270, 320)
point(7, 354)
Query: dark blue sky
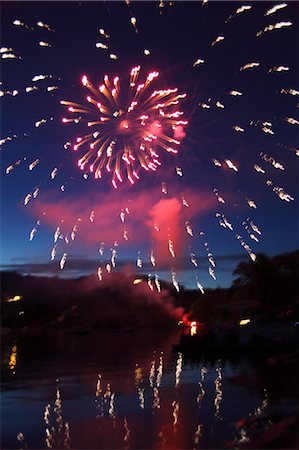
point(176, 35)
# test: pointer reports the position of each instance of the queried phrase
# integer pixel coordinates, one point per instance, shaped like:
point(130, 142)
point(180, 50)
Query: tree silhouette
point(272, 282)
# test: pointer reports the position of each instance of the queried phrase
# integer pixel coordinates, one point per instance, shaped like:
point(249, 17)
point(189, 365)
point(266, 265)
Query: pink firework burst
point(128, 127)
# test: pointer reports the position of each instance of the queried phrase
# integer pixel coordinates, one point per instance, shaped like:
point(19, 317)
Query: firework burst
point(128, 128)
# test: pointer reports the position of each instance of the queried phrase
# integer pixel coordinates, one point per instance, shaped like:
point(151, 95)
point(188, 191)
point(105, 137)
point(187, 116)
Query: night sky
point(177, 34)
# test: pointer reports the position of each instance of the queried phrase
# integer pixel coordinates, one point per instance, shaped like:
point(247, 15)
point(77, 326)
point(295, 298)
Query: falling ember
point(7, 139)
point(63, 261)
point(35, 193)
point(164, 188)
point(204, 105)
point(73, 232)
point(243, 8)
point(238, 129)
point(211, 259)
point(27, 199)
point(231, 165)
point(219, 198)
point(40, 122)
point(100, 273)
point(31, 88)
point(179, 171)
point(248, 228)
point(224, 223)
point(212, 273)
point(246, 247)
point(101, 45)
point(279, 69)
point(44, 25)
point(249, 66)
point(289, 91)
point(267, 130)
point(282, 194)
point(276, 26)
point(32, 234)
point(235, 93)
point(258, 169)
point(128, 135)
point(174, 281)
point(189, 228)
point(219, 105)
point(292, 121)
point(216, 163)
point(44, 44)
point(150, 283)
point(54, 173)
point(240, 10)
point(218, 39)
point(171, 248)
point(18, 23)
point(133, 21)
point(57, 234)
point(5, 50)
point(193, 259)
point(153, 259)
point(113, 257)
point(101, 249)
point(251, 203)
point(9, 56)
point(254, 227)
point(9, 169)
point(41, 77)
point(53, 253)
point(271, 160)
point(275, 8)
point(139, 261)
point(92, 216)
point(103, 33)
point(200, 287)
point(198, 61)
point(158, 284)
point(33, 164)
point(184, 201)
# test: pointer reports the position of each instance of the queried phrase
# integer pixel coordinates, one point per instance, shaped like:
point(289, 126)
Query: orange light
point(193, 328)
point(244, 322)
point(16, 298)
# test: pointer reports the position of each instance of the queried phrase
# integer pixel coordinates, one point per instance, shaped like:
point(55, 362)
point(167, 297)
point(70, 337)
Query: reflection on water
point(122, 390)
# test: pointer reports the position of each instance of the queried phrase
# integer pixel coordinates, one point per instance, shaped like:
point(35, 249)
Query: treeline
point(266, 289)
point(85, 302)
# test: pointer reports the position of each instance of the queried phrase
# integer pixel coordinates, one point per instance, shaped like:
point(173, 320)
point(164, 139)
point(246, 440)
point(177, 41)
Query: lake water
point(126, 390)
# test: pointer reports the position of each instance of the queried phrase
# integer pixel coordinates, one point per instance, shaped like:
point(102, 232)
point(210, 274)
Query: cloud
point(77, 267)
point(105, 218)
